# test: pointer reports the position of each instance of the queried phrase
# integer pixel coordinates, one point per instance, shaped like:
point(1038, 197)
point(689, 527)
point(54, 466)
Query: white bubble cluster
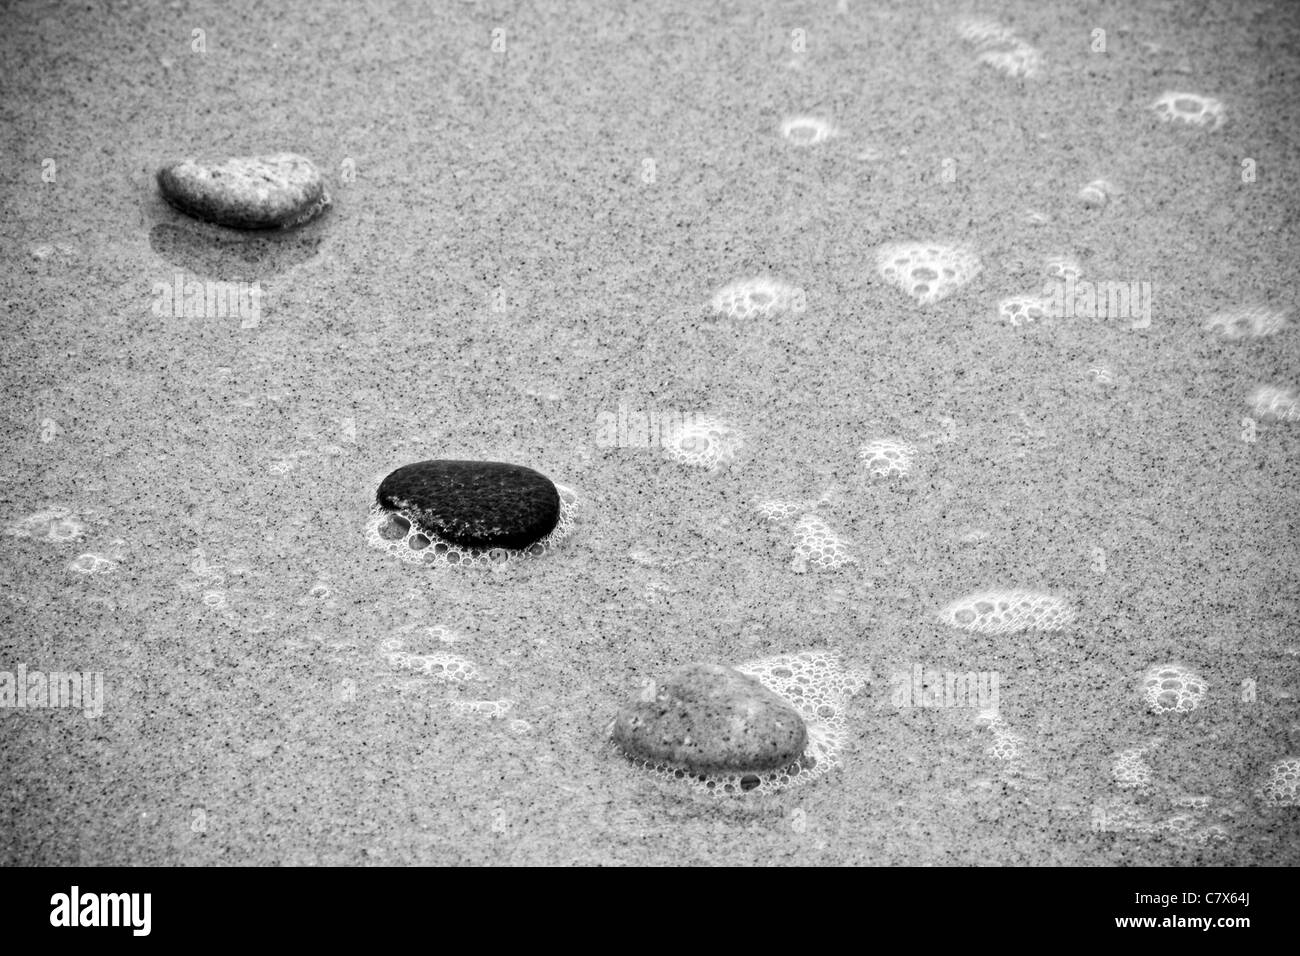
point(1007, 746)
point(1248, 322)
point(395, 533)
point(1062, 267)
point(928, 272)
point(1022, 309)
point(707, 443)
point(1130, 768)
point(1172, 688)
point(815, 544)
point(1006, 612)
point(1127, 816)
point(888, 457)
point(439, 665)
point(492, 709)
point(1190, 108)
point(983, 32)
point(774, 509)
point(1021, 60)
point(93, 564)
point(43, 250)
point(1010, 748)
point(53, 524)
point(450, 668)
point(1275, 402)
point(758, 297)
point(1281, 784)
point(442, 633)
point(1000, 47)
point(819, 687)
point(1034, 306)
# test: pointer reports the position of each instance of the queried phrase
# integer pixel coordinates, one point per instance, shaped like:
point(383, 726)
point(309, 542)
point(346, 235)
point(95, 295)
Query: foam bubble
point(442, 634)
point(1006, 612)
point(707, 443)
point(1123, 815)
point(1021, 60)
point(1010, 747)
point(93, 564)
point(780, 510)
point(815, 543)
point(760, 296)
point(1007, 746)
point(43, 250)
point(395, 533)
point(819, 687)
point(492, 709)
point(447, 668)
point(1130, 769)
point(1097, 193)
point(1022, 309)
point(983, 32)
point(927, 272)
point(803, 131)
point(1172, 688)
point(56, 524)
point(1281, 784)
point(888, 457)
point(1190, 108)
point(1275, 402)
point(419, 654)
point(1062, 267)
point(1001, 48)
point(1186, 822)
point(1248, 322)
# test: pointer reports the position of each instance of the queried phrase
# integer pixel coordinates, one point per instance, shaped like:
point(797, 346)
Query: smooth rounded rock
point(474, 504)
point(247, 192)
point(710, 718)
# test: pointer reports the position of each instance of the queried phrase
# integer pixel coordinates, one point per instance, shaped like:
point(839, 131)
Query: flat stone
point(710, 718)
point(474, 504)
point(247, 192)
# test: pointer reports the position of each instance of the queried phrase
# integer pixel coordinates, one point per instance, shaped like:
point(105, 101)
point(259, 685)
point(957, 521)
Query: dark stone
point(247, 192)
point(474, 504)
point(706, 717)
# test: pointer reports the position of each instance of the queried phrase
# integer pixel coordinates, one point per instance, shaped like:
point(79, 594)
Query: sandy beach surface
point(527, 233)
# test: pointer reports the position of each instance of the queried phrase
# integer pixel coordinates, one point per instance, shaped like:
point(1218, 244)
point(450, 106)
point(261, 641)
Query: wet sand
point(500, 268)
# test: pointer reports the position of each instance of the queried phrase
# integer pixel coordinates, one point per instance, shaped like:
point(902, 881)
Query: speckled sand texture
point(534, 210)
